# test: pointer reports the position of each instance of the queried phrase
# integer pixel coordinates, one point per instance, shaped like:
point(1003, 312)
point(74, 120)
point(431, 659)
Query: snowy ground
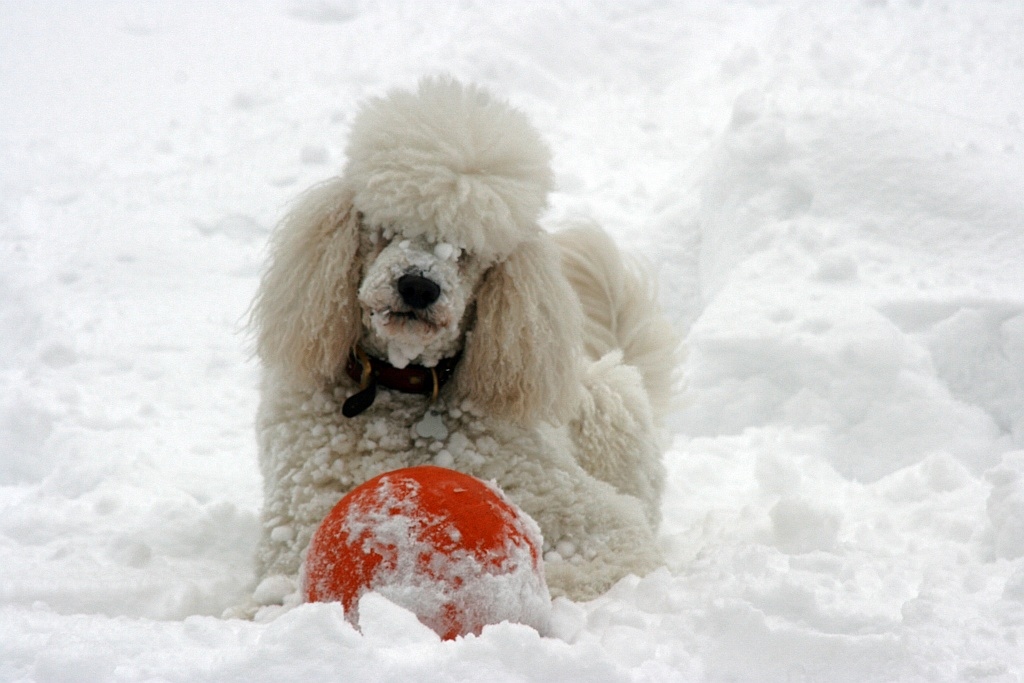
point(833, 196)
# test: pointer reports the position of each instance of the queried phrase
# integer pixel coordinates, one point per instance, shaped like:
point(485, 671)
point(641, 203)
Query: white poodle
point(413, 312)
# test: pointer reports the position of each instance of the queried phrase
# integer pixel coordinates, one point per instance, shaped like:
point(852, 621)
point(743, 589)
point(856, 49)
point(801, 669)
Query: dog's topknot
point(451, 162)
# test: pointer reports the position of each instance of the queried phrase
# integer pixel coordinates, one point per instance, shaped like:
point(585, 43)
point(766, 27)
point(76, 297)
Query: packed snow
point(831, 196)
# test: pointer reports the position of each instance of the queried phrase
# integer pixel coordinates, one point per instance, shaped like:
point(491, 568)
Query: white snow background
point(831, 193)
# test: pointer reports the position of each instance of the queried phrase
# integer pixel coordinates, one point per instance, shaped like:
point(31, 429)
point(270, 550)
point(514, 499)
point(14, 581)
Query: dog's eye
point(447, 252)
point(383, 237)
point(374, 242)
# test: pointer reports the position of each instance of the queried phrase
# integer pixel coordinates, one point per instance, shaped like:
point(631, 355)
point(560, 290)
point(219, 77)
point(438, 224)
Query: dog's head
point(427, 247)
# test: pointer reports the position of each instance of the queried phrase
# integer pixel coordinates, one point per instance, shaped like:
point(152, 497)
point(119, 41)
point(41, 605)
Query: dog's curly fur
point(565, 364)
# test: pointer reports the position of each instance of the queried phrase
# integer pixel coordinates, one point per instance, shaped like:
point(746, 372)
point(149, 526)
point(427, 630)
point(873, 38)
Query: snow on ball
point(442, 544)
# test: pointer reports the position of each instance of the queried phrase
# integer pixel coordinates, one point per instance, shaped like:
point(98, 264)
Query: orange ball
point(440, 543)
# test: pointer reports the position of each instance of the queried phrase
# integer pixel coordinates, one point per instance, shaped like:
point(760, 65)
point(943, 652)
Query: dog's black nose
point(417, 291)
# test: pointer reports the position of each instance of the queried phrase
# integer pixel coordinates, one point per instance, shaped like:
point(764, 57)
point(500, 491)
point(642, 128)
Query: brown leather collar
point(372, 372)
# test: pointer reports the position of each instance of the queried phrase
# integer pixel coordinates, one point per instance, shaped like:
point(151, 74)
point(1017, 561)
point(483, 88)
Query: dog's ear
point(305, 316)
point(521, 359)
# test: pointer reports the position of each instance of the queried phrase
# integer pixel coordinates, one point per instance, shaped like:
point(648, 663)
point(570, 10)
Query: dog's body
point(426, 254)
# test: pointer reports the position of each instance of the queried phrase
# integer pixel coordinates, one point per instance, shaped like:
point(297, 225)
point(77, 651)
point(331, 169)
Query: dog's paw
point(274, 590)
point(247, 611)
point(274, 596)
